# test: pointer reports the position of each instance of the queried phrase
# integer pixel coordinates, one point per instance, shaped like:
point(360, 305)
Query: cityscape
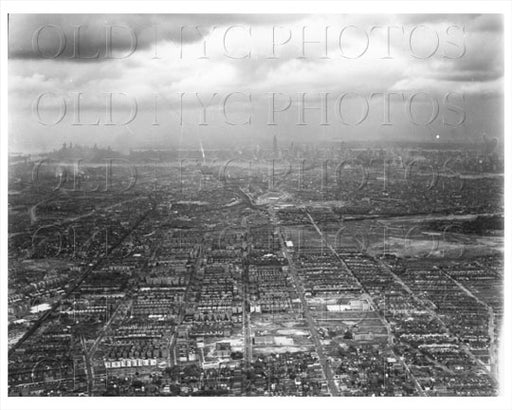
point(267, 274)
point(255, 205)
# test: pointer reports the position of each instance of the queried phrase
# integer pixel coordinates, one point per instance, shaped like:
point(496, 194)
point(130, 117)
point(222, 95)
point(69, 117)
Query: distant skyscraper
point(275, 147)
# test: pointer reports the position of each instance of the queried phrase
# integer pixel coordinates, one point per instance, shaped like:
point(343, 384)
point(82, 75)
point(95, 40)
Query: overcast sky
point(159, 62)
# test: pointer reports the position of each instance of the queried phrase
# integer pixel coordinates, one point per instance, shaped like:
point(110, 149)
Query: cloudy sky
point(135, 81)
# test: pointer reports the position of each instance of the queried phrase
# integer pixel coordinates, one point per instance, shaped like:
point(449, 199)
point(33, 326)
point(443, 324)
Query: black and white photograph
point(227, 204)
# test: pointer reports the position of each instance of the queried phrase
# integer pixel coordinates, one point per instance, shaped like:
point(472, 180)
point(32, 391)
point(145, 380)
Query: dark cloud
point(56, 34)
point(487, 22)
point(428, 19)
point(483, 60)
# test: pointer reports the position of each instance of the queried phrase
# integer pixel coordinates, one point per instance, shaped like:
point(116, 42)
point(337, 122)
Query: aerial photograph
point(255, 205)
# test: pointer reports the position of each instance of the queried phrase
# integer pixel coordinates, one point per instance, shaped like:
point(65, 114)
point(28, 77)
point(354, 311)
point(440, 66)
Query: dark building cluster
point(236, 277)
